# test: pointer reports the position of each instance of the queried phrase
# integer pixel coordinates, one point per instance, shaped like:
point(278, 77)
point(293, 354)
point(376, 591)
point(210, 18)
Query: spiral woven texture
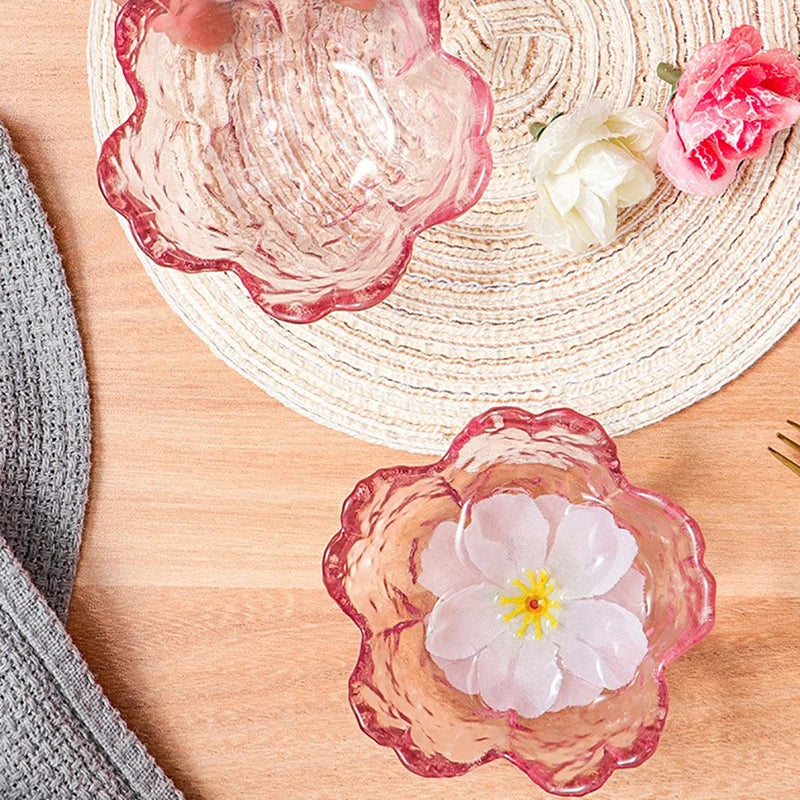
point(691, 294)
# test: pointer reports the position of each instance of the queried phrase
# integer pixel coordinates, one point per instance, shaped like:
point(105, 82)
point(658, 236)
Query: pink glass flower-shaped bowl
point(394, 536)
point(301, 144)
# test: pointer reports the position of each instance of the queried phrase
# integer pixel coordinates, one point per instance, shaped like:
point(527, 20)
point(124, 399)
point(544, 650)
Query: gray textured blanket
point(59, 736)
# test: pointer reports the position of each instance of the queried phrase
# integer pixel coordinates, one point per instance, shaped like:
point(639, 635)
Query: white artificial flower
point(588, 165)
point(539, 605)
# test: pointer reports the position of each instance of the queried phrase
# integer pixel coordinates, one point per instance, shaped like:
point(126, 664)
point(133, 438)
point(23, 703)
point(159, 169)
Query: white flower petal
point(600, 216)
point(564, 190)
point(519, 674)
point(580, 660)
point(553, 507)
point(507, 536)
point(638, 186)
point(463, 623)
point(495, 666)
point(577, 234)
point(590, 552)
point(461, 674)
point(604, 167)
point(575, 692)
point(640, 130)
point(566, 133)
point(539, 676)
point(554, 231)
point(629, 593)
point(600, 642)
point(446, 567)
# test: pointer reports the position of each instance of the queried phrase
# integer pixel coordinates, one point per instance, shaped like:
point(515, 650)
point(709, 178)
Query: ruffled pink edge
point(335, 560)
point(711, 62)
point(127, 45)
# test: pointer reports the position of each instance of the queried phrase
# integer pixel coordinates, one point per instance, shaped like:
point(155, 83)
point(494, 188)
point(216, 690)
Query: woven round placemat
point(692, 293)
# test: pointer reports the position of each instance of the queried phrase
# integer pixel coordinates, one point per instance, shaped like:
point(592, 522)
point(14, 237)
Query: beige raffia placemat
point(689, 297)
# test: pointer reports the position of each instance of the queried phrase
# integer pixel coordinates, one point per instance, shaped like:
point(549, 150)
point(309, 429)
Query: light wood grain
point(199, 602)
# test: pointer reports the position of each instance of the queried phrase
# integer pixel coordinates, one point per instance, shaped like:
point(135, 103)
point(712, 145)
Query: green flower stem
point(536, 129)
point(670, 74)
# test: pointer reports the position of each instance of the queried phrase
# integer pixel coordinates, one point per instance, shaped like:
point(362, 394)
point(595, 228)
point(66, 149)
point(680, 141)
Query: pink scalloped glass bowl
point(372, 568)
point(300, 144)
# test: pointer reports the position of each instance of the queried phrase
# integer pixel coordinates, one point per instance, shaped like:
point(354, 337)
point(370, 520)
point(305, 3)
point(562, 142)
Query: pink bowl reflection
point(300, 144)
point(372, 567)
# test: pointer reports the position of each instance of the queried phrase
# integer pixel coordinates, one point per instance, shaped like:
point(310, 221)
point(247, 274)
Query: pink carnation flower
point(731, 100)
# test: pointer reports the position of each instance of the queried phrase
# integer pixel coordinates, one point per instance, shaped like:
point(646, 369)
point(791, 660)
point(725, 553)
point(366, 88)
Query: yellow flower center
point(533, 604)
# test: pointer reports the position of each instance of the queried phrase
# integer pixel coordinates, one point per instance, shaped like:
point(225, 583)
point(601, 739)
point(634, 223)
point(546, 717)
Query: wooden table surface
point(199, 603)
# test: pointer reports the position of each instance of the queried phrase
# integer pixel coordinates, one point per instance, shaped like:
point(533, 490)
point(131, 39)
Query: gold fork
point(786, 440)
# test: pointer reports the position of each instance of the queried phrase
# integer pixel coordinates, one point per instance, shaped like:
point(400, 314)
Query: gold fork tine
point(785, 461)
point(794, 424)
point(789, 441)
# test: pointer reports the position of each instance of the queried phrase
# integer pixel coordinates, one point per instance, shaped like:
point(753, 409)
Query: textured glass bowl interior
point(301, 144)
point(371, 568)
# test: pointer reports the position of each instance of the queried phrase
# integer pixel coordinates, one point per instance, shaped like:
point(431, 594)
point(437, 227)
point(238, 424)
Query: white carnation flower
point(588, 165)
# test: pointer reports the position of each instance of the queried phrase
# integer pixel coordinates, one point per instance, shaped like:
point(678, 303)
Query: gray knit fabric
point(44, 401)
point(60, 739)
